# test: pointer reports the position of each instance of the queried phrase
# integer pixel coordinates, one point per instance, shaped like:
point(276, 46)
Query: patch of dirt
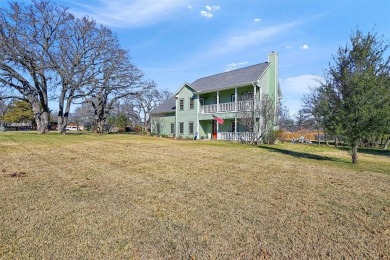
point(17, 174)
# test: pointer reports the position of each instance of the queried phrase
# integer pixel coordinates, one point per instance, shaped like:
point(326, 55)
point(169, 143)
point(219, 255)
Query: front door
point(214, 129)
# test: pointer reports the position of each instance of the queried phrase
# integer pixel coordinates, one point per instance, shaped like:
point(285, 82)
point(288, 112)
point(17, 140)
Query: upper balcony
point(239, 106)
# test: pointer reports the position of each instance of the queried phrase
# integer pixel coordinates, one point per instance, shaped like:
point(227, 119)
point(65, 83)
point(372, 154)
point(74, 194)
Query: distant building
point(74, 127)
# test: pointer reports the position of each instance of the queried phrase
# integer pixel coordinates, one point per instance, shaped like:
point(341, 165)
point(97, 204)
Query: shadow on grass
point(368, 150)
point(302, 154)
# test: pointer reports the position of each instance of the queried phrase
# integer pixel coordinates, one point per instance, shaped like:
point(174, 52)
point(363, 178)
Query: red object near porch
point(218, 119)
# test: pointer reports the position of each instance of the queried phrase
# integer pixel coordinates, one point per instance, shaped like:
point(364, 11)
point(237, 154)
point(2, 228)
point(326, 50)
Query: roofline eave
point(226, 88)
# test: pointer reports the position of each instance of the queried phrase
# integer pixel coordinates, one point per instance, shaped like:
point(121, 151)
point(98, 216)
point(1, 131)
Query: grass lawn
point(126, 196)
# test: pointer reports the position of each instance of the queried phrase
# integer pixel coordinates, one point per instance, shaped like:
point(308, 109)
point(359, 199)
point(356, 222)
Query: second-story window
point(181, 104)
point(191, 103)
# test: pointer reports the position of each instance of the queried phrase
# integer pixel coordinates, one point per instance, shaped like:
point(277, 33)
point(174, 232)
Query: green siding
point(202, 123)
point(165, 121)
point(186, 115)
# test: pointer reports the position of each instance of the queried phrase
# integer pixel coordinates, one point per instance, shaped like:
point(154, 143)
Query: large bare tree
point(119, 78)
point(28, 36)
point(144, 102)
point(83, 51)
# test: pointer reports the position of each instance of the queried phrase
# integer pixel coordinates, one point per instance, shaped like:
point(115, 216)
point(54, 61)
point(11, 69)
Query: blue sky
point(176, 41)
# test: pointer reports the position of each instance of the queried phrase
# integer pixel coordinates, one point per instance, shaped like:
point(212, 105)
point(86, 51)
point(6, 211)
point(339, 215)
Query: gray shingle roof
point(219, 81)
point(165, 107)
point(230, 78)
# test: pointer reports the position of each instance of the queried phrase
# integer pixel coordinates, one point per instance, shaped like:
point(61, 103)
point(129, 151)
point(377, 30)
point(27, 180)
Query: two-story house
point(196, 109)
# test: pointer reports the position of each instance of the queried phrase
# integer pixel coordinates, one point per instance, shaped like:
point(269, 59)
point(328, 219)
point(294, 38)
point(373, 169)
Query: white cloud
point(206, 14)
point(242, 40)
point(233, 66)
point(129, 13)
point(257, 20)
point(212, 8)
point(288, 47)
point(294, 89)
point(209, 12)
point(189, 6)
point(304, 47)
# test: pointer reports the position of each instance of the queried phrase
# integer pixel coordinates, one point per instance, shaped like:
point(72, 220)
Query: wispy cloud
point(257, 20)
point(294, 88)
point(233, 66)
point(129, 13)
point(304, 47)
point(239, 41)
point(210, 9)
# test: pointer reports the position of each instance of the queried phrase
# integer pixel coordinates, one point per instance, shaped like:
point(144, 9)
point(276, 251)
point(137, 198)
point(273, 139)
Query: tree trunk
point(318, 135)
point(326, 138)
point(354, 154)
point(41, 118)
point(336, 141)
point(387, 143)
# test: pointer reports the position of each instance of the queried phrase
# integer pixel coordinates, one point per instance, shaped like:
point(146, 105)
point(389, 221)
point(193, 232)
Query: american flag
point(218, 119)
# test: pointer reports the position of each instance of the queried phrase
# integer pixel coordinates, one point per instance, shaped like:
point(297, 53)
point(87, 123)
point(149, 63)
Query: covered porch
point(230, 130)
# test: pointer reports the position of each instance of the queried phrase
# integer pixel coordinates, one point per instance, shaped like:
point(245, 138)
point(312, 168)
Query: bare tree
point(82, 52)
point(144, 102)
point(261, 119)
point(83, 114)
point(119, 79)
point(28, 35)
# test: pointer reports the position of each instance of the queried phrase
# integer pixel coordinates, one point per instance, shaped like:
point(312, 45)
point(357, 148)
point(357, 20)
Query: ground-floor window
point(190, 127)
point(172, 128)
point(181, 128)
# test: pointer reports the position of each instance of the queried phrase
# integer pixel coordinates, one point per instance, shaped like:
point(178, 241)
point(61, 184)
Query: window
point(215, 99)
point(202, 101)
point(181, 105)
point(181, 128)
point(172, 128)
point(191, 103)
point(233, 98)
point(191, 127)
point(233, 126)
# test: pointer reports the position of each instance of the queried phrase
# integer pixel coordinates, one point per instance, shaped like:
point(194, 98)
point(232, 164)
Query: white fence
point(239, 136)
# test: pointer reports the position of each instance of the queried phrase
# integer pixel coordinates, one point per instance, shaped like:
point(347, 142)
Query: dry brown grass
point(121, 196)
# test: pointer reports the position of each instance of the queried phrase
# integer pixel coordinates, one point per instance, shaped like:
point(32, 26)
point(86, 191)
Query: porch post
point(235, 129)
point(197, 116)
point(235, 99)
point(217, 128)
point(217, 103)
point(254, 109)
point(254, 95)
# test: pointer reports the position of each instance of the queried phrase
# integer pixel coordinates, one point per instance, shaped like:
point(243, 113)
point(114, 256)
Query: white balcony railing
point(239, 136)
point(244, 105)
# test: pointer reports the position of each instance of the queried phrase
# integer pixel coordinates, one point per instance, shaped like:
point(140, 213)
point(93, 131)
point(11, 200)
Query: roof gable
point(183, 86)
point(230, 78)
